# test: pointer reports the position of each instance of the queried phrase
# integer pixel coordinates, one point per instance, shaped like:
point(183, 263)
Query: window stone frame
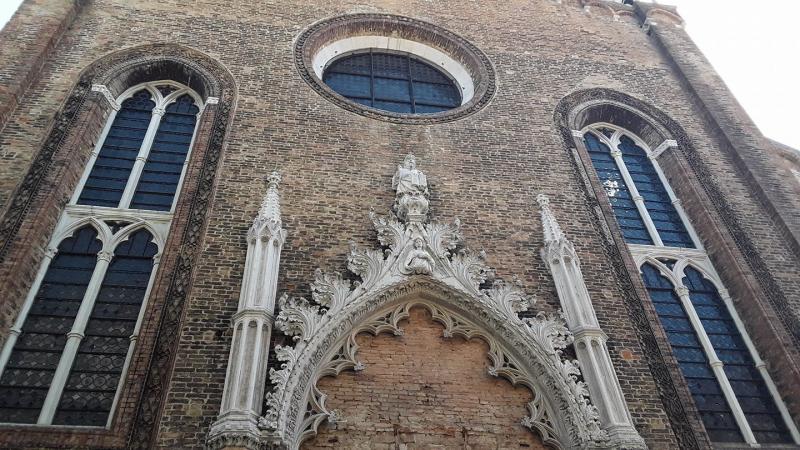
point(325, 32)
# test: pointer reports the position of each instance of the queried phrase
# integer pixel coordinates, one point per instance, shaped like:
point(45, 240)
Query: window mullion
point(141, 158)
point(74, 338)
point(372, 77)
point(16, 329)
point(676, 202)
point(638, 200)
point(411, 85)
point(717, 366)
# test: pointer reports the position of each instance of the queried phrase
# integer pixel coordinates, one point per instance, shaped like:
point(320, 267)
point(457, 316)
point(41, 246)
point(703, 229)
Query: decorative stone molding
point(422, 263)
point(590, 340)
point(237, 424)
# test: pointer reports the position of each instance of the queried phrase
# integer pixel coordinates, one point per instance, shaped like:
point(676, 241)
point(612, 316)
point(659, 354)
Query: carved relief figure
point(419, 261)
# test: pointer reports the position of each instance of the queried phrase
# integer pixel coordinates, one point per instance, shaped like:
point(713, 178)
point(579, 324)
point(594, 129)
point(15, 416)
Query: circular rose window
point(400, 83)
point(394, 68)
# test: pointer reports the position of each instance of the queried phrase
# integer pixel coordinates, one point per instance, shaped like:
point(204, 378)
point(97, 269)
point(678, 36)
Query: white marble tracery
point(422, 263)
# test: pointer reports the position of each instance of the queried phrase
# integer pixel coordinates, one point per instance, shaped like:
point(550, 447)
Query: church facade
point(388, 225)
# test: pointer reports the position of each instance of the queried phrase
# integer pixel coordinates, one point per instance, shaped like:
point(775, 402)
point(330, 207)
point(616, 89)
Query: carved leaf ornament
point(425, 264)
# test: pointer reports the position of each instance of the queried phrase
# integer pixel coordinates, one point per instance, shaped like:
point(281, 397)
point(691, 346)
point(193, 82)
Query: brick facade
point(485, 168)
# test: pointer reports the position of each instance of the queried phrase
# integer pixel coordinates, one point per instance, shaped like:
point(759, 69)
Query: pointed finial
point(552, 231)
point(271, 206)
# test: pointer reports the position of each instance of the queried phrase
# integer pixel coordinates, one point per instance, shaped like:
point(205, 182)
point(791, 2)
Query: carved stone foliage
point(420, 260)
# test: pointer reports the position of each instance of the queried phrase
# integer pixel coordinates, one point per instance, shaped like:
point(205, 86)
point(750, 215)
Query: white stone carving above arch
point(452, 284)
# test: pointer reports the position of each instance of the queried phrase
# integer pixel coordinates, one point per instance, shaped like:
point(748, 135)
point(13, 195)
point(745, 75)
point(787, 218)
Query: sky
point(755, 47)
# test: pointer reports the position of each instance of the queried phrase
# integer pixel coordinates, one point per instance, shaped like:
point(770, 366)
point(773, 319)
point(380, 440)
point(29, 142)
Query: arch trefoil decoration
point(419, 263)
point(70, 348)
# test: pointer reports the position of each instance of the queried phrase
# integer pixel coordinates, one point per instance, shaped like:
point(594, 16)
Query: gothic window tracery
point(141, 160)
point(731, 388)
point(66, 357)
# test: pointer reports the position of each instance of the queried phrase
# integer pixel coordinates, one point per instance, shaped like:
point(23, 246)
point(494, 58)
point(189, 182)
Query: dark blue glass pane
point(436, 94)
point(95, 374)
point(692, 360)
point(665, 218)
point(114, 162)
point(395, 90)
point(427, 73)
point(390, 65)
point(630, 222)
point(162, 171)
point(349, 85)
point(26, 379)
point(748, 384)
point(392, 82)
point(358, 64)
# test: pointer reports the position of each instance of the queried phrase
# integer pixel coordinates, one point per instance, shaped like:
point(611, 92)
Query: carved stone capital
point(104, 255)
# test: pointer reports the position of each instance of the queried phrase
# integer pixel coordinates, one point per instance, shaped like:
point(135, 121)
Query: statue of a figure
point(411, 185)
point(409, 180)
point(418, 260)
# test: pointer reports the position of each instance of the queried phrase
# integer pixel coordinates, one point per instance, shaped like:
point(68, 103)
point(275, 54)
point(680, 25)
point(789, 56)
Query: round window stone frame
point(327, 32)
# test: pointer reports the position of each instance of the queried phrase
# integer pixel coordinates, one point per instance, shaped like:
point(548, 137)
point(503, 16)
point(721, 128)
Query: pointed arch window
point(728, 381)
point(141, 159)
point(67, 355)
point(643, 203)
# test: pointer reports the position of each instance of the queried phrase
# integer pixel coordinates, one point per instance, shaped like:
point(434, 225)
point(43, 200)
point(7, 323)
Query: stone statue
point(411, 186)
point(409, 180)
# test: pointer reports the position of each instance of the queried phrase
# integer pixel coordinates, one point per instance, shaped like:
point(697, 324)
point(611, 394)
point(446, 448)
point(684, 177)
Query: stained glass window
point(27, 376)
point(703, 385)
point(652, 218)
point(654, 196)
point(68, 362)
point(747, 383)
point(656, 199)
point(140, 163)
point(630, 222)
point(114, 163)
point(162, 171)
point(392, 82)
point(92, 383)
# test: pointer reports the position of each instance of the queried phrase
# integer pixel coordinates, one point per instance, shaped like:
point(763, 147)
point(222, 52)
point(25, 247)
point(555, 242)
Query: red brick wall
point(422, 390)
